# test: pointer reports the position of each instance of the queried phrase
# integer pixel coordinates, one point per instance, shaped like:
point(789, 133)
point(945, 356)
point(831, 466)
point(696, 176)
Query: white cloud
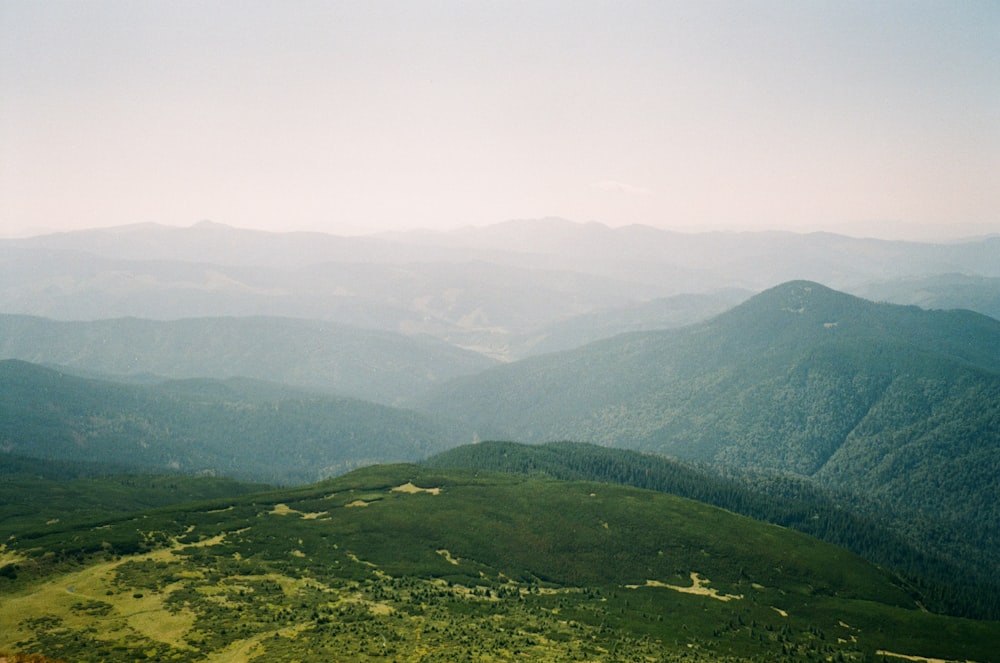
point(622, 187)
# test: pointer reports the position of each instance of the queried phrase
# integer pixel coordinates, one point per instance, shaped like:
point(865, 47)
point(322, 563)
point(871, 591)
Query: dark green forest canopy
point(50, 494)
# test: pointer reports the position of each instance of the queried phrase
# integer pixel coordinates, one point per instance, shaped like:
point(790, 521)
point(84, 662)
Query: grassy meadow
point(418, 564)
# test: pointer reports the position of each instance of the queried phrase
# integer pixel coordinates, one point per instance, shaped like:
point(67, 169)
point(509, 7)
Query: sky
point(876, 118)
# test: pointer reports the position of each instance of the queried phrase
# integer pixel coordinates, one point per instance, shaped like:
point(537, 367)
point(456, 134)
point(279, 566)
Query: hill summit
point(801, 314)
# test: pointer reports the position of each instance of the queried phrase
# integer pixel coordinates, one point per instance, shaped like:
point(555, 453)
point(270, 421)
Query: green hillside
point(38, 494)
point(238, 428)
point(407, 563)
point(892, 403)
point(946, 586)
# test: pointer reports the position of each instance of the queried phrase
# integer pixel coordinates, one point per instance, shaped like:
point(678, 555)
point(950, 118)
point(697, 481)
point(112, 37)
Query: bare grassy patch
point(698, 587)
point(447, 556)
point(249, 649)
point(907, 657)
point(410, 488)
point(285, 510)
point(148, 616)
point(7, 557)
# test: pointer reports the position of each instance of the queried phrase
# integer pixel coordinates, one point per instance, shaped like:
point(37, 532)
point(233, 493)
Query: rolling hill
point(946, 586)
point(35, 494)
point(894, 403)
point(237, 428)
point(405, 563)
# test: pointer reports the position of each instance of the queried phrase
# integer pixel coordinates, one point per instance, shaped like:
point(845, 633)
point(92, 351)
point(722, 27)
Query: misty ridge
point(505, 291)
point(643, 338)
point(845, 388)
point(803, 353)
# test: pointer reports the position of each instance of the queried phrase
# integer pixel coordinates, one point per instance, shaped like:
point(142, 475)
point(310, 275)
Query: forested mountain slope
point(897, 403)
point(238, 428)
point(401, 562)
point(799, 357)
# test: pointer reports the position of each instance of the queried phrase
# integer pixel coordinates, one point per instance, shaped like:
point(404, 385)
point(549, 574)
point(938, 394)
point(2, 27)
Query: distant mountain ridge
point(337, 359)
point(752, 260)
point(638, 254)
point(939, 291)
point(661, 313)
point(497, 289)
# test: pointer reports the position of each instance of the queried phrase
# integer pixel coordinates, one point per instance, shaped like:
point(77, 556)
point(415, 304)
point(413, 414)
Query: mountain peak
point(207, 224)
point(801, 297)
point(809, 302)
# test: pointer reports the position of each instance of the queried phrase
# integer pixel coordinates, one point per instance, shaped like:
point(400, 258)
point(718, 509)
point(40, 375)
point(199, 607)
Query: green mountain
point(237, 428)
point(407, 563)
point(373, 365)
point(798, 365)
point(895, 404)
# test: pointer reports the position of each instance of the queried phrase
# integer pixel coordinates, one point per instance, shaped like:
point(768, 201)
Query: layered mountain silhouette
point(337, 359)
point(802, 404)
point(238, 428)
point(504, 290)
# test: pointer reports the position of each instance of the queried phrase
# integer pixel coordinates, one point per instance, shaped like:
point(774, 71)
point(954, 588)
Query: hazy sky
point(370, 115)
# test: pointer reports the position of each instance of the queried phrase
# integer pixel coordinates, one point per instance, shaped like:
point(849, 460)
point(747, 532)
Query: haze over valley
point(440, 331)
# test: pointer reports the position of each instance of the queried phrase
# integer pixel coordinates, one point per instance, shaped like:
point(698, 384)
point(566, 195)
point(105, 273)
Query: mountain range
point(502, 290)
point(685, 364)
point(893, 407)
point(374, 365)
